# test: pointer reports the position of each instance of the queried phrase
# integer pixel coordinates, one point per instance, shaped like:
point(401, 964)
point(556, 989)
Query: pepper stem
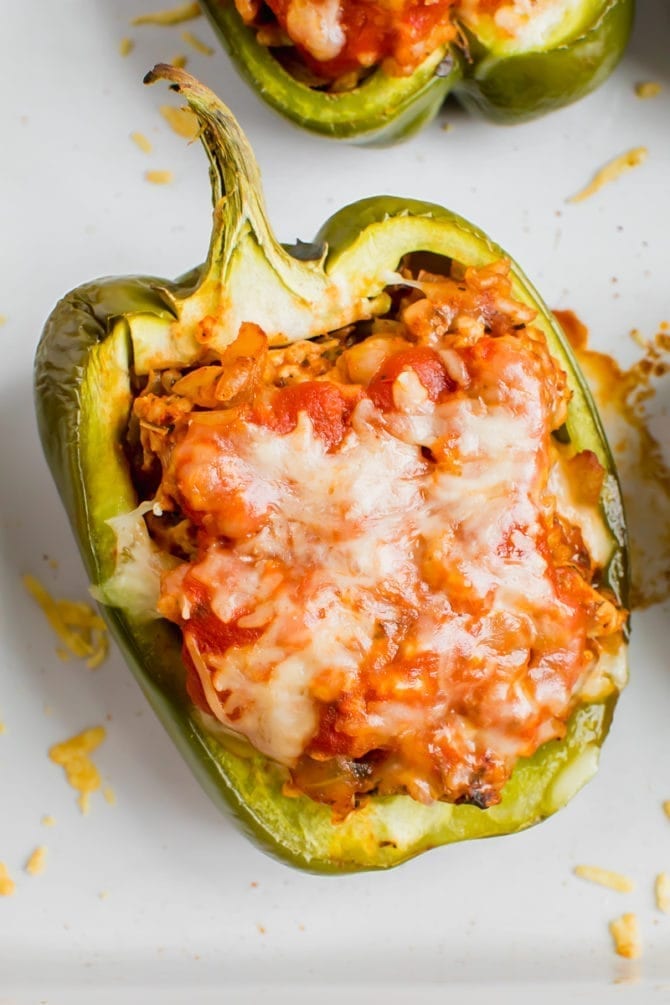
point(248, 275)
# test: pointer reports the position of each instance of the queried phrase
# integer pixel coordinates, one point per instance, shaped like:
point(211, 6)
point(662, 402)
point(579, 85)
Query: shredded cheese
point(126, 46)
point(174, 15)
point(625, 932)
point(141, 141)
point(3, 728)
point(82, 631)
point(180, 60)
point(3, 319)
point(159, 177)
point(7, 885)
point(648, 89)
point(632, 158)
point(80, 771)
point(197, 44)
point(109, 795)
point(37, 861)
point(48, 820)
point(662, 890)
point(605, 877)
point(181, 120)
point(666, 808)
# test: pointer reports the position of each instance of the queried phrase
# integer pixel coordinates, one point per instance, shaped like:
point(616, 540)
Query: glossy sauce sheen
point(383, 596)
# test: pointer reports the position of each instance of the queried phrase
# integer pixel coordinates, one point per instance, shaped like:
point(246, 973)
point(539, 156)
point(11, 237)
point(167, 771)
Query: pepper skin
point(102, 331)
point(488, 73)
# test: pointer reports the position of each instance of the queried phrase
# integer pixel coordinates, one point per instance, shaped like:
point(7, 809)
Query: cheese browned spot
point(387, 564)
point(74, 757)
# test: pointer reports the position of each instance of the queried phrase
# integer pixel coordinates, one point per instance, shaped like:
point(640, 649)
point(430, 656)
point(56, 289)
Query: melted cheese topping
point(388, 580)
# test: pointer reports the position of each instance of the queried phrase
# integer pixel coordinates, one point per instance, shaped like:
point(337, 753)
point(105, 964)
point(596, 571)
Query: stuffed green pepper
point(351, 516)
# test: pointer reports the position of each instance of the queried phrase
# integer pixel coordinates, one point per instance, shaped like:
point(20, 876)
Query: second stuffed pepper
point(375, 72)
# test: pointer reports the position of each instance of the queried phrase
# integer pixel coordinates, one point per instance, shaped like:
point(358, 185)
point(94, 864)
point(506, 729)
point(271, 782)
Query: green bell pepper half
point(101, 333)
point(505, 79)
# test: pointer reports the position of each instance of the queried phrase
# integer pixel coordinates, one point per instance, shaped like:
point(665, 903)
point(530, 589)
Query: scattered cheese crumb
point(181, 120)
point(48, 820)
point(140, 140)
point(158, 177)
point(605, 877)
point(3, 728)
point(662, 888)
point(79, 628)
point(3, 319)
point(80, 770)
point(666, 808)
point(7, 885)
point(109, 795)
point(175, 15)
point(197, 44)
point(103, 895)
point(626, 934)
point(126, 46)
point(180, 61)
point(648, 89)
point(37, 861)
point(611, 172)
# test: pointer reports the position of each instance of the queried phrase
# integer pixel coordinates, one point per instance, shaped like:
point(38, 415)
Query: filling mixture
point(333, 43)
point(388, 556)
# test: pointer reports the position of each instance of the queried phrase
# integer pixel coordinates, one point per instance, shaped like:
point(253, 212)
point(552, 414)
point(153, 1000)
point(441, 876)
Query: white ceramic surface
point(192, 910)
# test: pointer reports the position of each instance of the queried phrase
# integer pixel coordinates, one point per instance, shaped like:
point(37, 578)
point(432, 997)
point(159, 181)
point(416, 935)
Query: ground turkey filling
point(375, 585)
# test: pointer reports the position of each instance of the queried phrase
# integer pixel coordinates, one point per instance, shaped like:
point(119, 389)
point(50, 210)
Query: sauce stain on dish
point(622, 396)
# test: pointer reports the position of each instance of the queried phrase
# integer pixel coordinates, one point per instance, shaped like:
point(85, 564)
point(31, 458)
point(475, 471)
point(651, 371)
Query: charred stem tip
point(174, 74)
